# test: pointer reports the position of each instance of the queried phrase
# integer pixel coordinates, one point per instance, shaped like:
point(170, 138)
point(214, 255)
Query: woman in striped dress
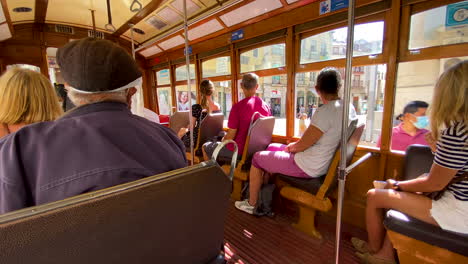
point(449, 125)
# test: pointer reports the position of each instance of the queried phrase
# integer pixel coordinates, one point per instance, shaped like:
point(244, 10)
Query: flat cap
point(94, 65)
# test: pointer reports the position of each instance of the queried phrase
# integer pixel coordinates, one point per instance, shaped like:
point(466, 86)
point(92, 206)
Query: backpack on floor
point(265, 199)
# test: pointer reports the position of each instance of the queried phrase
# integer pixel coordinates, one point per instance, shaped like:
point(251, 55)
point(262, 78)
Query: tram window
point(181, 72)
point(416, 81)
point(163, 77)
point(164, 100)
point(223, 96)
point(439, 26)
point(217, 67)
point(184, 101)
point(262, 58)
point(272, 89)
point(367, 95)
point(331, 45)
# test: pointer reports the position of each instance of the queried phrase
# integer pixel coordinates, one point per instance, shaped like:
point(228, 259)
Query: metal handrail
point(233, 159)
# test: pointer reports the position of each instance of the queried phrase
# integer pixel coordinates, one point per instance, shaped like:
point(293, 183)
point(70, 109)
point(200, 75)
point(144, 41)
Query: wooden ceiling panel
point(251, 10)
point(191, 6)
point(150, 51)
point(204, 29)
point(169, 15)
point(75, 12)
point(17, 18)
point(172, 42)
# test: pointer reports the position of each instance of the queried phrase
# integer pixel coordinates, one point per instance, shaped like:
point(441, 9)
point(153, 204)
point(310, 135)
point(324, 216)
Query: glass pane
point(162, 77)
point(267, 57)
point(164, 100)
point(416, 81)
point(272, 89)
point(181, 72)
point(367, 91)
point(330, 45)
point(183, 103)
point(439, 26)
point(217, 67)
point(223, 96)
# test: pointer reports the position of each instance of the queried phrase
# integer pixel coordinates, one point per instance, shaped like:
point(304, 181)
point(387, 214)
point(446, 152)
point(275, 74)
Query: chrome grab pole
point(187, 63)
point(345, 118)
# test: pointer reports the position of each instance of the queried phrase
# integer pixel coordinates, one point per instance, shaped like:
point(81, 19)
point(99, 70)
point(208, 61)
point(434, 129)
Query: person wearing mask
point(411, 130)
point(98, 144)
point(449, 172)
point(239, 118)
point(26, 97)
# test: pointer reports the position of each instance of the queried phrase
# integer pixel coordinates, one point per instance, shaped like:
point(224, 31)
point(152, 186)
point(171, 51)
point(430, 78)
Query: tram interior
point(400, 50)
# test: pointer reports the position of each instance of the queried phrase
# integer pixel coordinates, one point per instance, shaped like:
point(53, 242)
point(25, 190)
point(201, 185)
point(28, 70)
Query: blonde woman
point(199, 111)
point(449, 125)
point(26, 97)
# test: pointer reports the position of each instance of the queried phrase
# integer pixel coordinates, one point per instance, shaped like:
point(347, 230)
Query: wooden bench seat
point(312, 195)
point(417, 241)
point(420, 242)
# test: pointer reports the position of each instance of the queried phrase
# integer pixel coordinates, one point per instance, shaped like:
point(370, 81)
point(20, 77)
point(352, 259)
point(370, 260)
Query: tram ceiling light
point(190, 22)
point(22, 9)
point(139, 31)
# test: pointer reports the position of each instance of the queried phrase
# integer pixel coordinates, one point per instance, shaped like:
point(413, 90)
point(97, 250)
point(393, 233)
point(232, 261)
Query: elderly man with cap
point(98, 144)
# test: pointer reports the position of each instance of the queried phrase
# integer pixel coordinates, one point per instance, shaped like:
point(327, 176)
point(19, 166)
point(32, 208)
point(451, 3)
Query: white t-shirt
point(315, 160)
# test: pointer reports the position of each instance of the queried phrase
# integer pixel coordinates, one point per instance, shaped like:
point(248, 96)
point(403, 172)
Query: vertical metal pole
point(187, 64)
point(133, 42)
point(345, 118)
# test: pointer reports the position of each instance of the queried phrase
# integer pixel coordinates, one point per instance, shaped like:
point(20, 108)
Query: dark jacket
point(92, 147)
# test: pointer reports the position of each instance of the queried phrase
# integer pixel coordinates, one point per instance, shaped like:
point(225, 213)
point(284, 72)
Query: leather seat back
point(175, 217)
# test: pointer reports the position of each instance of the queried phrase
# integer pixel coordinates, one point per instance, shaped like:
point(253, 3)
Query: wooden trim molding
point(40, 11)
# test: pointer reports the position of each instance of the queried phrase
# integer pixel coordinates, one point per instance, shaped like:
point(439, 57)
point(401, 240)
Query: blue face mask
point(422, 122)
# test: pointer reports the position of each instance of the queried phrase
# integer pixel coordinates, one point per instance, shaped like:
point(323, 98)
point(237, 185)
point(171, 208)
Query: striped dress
point(452, 153)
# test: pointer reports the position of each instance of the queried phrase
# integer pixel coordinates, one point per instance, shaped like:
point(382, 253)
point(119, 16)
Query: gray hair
point(78, 98)
point(249, 81)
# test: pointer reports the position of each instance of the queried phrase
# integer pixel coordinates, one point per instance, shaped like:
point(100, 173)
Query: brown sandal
point(360, 245)
point(367, 258)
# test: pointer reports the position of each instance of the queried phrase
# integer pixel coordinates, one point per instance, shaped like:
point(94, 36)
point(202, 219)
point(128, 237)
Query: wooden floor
point(250, 239)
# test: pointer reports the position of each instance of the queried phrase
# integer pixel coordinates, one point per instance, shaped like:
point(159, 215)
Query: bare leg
point(415, 205)
point(256, 181)
point(386, 252)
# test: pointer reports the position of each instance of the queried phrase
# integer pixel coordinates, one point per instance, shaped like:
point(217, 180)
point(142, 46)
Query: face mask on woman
point(421, 122)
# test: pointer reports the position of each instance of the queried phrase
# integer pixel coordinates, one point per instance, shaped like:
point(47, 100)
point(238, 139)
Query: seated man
point(94, 146)
point(411, 130)
point(239, 118)
point(312, 154)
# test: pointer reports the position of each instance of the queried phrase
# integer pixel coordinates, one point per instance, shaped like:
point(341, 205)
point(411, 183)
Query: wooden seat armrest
point(330, 177)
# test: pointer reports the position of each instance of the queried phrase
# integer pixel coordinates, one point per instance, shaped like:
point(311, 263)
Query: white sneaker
point(244, 206)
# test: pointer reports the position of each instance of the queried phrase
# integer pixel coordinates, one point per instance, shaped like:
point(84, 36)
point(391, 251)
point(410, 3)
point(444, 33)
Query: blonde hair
point(27, 97)
point(450, 100)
